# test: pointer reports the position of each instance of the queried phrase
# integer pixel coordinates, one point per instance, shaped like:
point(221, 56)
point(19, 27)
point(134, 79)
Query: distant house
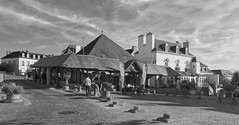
point(227, 74)
point(71, 49)
point(21, 60)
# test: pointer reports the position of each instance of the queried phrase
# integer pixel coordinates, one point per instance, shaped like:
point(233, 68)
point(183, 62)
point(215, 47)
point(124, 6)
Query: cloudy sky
point(49, 26)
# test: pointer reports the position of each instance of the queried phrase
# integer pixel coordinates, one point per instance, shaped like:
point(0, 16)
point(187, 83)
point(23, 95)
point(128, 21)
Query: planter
point(66, 88)
point(13, 98)
point(106, 94)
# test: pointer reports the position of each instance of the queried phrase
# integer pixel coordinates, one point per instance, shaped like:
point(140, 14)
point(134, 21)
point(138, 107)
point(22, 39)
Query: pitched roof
point(79, 61)
point(160, 46)
point(226, 73)
point(133, 66)
point(18, 54)
point(153, 69)
point(104, 47)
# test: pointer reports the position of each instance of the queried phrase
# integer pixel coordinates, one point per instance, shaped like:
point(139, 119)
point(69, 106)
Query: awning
point(153, 69)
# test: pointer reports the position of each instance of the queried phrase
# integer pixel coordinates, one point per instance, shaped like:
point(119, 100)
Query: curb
point(25, 101)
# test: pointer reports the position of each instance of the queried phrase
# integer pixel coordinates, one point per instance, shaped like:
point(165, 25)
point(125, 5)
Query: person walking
point(87, 83)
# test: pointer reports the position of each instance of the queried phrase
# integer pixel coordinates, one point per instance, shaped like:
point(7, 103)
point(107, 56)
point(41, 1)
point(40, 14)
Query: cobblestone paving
point(55, 107)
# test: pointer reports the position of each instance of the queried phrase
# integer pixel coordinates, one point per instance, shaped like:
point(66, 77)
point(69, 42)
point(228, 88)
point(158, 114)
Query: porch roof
point(153, 69)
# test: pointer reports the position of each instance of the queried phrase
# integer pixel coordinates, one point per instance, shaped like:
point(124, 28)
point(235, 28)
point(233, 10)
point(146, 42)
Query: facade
point(21, 60)
point(175, 55)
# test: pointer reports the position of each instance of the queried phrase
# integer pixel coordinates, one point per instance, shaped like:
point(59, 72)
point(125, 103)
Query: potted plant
point(106, 87)
point(12, 91)
point(67, 75)
point(228, 89)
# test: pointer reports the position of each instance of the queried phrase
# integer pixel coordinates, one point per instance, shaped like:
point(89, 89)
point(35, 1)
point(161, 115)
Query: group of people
point(93, 83)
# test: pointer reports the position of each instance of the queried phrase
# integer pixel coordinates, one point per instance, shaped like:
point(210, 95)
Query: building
point(225, 74)
point(21, 60)
point(172, 54)
point(71, 49)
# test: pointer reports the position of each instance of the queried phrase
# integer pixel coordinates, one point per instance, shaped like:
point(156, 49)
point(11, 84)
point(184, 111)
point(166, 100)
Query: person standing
point(87, 83)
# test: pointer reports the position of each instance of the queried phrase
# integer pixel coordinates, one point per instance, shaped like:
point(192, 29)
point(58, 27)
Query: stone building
point(172, 54)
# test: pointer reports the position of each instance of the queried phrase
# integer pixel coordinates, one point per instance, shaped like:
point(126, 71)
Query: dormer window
point(166, 47)
point(177, 49)
point(186, 50)
point(33, 56)
point(38, 57)
point(27, 55)
point(23, 55)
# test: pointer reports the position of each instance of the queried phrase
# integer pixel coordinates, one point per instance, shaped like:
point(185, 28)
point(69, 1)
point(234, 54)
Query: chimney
point(141, 43)
point(7, 52)
point(150, 40)
point(178, 43)
point(186, 44)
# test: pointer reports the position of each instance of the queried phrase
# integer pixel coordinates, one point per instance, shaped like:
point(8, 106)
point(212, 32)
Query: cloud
point(210, 26)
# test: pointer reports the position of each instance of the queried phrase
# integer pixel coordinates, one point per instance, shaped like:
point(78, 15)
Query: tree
point(9, 68)
point(235, 79)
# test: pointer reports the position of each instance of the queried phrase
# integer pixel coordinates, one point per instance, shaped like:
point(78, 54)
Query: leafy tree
point(235, 79)
point(223, 80)
point(8, 67)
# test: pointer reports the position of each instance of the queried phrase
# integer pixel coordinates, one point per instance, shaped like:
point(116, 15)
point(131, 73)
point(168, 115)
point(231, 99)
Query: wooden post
point(49, 76)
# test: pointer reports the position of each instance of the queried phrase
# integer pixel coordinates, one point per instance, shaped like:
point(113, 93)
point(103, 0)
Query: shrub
point(106, 86)
point(172, 86)
point(229, 87)
point(11, 88)
point(184, 92)
point(236, 93)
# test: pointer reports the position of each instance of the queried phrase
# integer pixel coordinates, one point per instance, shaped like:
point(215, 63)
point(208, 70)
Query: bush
point(185, 92)
point(236, 93)
point(106, 86)
point(11, 88)
point(229, 87)
point(172, 86)
point(186, 84)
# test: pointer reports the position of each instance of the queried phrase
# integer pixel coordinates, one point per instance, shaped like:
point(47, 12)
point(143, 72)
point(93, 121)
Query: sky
point(49, 26)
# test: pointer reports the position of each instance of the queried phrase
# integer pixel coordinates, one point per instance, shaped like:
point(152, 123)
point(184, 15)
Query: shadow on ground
point(16, 122)
point(206, 103)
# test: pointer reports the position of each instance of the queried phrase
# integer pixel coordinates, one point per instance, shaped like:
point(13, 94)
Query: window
point(23, 55)
point(166, 62)
point(33, 56)
point(177, 63)
point(28, 63)
point(186, 64)
point(23, 63)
